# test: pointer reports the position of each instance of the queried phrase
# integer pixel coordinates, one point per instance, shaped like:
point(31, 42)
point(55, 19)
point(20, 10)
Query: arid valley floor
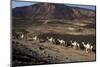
point(30, 52)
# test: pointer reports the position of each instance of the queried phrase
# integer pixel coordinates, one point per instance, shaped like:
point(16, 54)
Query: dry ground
point(33, 52)
point(47, 53)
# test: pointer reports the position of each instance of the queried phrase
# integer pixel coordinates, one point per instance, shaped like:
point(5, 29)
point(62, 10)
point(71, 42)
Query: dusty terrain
point(28, 52)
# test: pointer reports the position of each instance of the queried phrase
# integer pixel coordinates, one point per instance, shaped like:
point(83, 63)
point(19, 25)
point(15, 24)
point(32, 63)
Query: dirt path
point(58, 53)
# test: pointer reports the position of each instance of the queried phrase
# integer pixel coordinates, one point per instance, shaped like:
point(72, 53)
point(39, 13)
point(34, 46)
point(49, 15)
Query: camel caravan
point(54, 41)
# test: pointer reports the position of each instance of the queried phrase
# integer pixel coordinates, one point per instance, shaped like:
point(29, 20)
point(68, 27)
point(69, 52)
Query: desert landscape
point(49, 33)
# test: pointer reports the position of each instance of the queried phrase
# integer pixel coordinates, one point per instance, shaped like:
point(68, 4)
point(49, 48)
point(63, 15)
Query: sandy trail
point(58, 53)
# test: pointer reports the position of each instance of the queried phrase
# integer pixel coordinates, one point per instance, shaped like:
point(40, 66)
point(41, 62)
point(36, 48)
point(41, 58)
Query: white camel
point(75, 44)
point(78, 45)
point(51, 39)
point(22, 36)
point(35, 38)
point(61, 41)
point(88, 47)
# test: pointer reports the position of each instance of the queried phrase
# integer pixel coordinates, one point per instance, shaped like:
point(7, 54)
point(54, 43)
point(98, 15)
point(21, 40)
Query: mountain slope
point(44, 11)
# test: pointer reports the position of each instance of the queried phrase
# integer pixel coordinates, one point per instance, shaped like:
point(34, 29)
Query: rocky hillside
point(44, 11)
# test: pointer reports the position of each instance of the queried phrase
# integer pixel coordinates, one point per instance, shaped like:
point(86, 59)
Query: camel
point(35, 38)
point(51, 40)
point(75, 44)
point(88, 47)
point(62, 42)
